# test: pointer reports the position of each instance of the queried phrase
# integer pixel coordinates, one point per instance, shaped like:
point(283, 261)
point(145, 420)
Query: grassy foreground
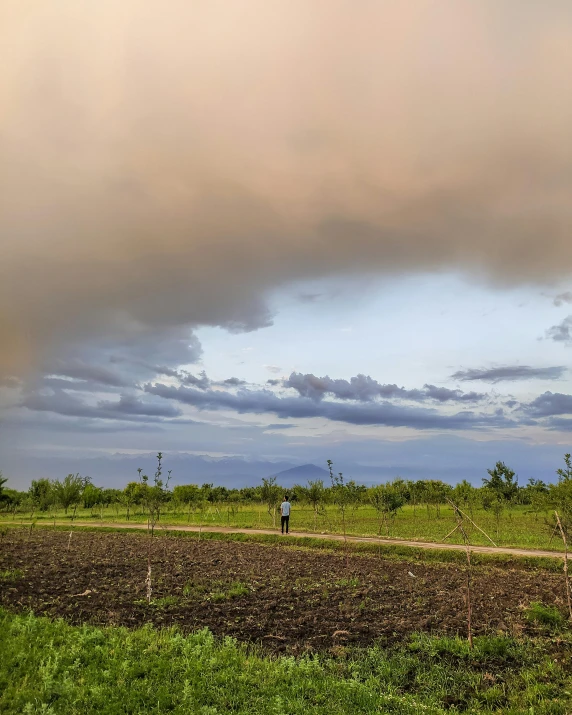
point(50, 667)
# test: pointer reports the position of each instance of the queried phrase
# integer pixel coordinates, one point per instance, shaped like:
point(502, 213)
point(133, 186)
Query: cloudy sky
point(278, 232)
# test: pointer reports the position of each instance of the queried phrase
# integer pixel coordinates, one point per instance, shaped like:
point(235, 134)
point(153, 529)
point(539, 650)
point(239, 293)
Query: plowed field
point(286, 599)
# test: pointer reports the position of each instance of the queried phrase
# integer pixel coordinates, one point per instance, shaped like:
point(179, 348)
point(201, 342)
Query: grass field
point(53, 668)
point(517, 527)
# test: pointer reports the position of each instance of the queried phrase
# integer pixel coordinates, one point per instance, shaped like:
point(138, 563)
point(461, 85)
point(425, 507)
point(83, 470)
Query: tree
point(92, 496)
point(271, 493)
point(565, 475)
point(69, 491)
point(463, 493)
point(503, 482)
point(536, 495)
point(41, 493)
point(188, 494)
point(156, 494)
point(314, 494)
point(343, 495)
point(3, 481)
point(386, 499)
point(561, 494)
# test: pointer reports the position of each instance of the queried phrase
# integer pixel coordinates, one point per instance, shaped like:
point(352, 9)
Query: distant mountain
point(300, 475)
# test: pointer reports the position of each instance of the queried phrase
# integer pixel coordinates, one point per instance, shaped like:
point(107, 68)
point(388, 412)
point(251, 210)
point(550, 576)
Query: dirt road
point(327, 537)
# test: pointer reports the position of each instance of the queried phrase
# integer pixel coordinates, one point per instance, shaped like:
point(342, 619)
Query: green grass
point(235, 590)
point(10, 575)
point(53, 668)
point(518, 527)
point(548, 616)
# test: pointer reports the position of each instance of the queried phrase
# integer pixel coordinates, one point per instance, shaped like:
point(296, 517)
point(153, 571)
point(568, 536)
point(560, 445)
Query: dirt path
point(327, 537)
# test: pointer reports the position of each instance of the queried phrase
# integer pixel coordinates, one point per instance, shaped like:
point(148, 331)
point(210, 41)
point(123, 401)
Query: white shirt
point(285, 507)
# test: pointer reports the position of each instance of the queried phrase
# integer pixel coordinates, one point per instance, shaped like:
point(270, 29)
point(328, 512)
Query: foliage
point(42, 494)
point(68, 492)
point(271, 494)
point(386, 499)
point(545, 615)
point(3, 481)
point(561, 494)
point(50, 667)
point(503, 482)
point(154, 495)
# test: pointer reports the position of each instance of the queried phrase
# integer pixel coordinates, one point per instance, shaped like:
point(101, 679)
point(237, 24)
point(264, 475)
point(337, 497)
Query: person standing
point(285, 513)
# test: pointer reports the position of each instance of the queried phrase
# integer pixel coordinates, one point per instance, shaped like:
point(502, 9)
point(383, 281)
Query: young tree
point(536, 495)
point(386, 499)
point(187, 494)
point(130, 496)
point(69, 491)
point(314, 494)
point(156, 494)
point(503, 481)
point(561, 494)
point(464, 493)
point(41, 493)
point(92, 496)
point(343, 495)
point(271, 493)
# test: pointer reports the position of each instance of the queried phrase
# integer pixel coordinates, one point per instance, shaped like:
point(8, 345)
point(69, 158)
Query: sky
point(261, 234)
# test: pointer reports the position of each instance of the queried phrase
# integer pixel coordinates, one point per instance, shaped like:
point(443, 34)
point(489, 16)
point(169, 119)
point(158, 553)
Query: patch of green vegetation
point(9, 575)
point(192, 589)
point(351, 582)
point(53, 668)
point(543, 615)
point(235, 590)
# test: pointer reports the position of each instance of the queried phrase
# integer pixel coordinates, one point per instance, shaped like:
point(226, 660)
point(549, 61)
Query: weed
point(235, 590)
point(548, 616)
point(10, 575)
point(352, 582)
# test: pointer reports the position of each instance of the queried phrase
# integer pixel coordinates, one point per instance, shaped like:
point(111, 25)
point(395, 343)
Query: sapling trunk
point(563, 534)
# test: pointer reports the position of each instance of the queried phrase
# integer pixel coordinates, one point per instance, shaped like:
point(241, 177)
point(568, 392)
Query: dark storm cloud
point(550, 403)
point(142, 194)
point(234, 382)
point(126, 408)
point(510, 373)
point(368, 413)
point(561, 333)
point(364, 389)
point(562, 298)
point(202, 381)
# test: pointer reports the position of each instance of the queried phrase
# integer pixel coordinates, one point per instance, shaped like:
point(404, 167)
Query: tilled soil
point(287, 599)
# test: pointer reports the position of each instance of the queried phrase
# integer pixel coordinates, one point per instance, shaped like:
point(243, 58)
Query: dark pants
point(285, 520)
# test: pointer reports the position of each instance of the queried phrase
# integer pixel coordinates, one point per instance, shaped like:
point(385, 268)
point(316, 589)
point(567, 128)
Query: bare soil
point(287, 599)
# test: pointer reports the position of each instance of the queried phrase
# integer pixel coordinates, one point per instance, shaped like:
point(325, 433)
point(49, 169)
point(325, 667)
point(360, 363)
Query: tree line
point(500, 491)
